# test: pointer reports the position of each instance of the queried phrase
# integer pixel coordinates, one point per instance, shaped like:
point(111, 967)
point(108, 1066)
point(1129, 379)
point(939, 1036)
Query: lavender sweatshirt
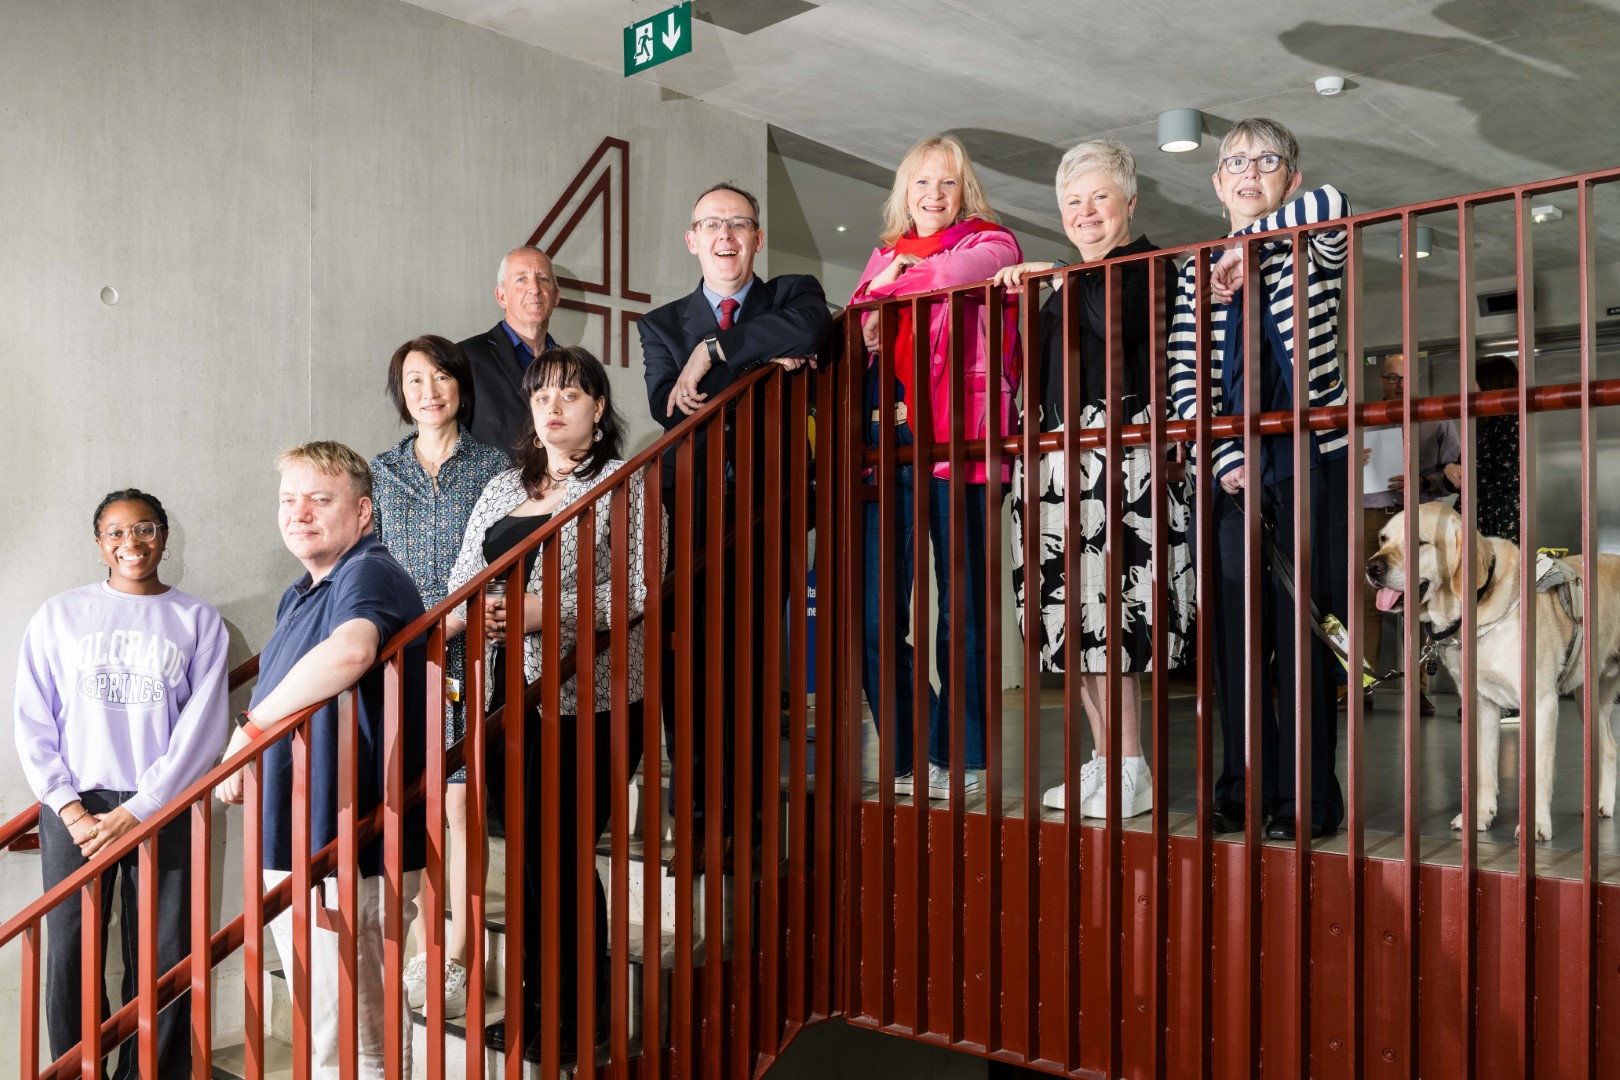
point(121, 692)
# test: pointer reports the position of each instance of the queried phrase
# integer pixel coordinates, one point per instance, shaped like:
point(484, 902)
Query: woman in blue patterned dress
point(423, 491)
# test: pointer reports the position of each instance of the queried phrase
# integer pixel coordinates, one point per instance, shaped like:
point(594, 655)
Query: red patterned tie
point(728, 313)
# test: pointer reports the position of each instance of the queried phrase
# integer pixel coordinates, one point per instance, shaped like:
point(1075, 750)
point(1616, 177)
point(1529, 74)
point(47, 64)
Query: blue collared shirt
point(714, 298)
point(525, 354)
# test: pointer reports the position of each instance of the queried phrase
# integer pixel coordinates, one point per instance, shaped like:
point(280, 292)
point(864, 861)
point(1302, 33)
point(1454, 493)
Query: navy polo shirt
point(367, 583)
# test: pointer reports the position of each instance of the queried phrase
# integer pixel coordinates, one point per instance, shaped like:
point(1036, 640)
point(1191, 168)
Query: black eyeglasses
point(1266, 163)
point(144, 531)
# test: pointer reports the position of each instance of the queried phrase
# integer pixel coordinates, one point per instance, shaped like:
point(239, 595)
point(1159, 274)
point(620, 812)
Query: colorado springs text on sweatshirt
point(121, 692)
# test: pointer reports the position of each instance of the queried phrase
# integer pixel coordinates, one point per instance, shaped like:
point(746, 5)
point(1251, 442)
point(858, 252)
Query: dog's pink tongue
point(1387, 599)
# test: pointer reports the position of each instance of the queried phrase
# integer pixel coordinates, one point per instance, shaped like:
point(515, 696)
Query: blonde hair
point(896, 219)
point(1110, 157)
point(330, 459)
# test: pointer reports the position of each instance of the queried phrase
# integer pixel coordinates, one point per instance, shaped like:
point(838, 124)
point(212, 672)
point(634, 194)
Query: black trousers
point(1276, 724)
point(567, 886)
point(59, 857)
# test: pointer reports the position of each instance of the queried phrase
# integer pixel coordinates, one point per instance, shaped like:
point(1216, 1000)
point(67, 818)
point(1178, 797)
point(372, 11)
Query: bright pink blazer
point(974, 258)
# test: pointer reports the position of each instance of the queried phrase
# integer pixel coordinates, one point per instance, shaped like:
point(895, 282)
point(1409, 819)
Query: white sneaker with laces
point(939, 783)
point(904, 785)
point(416, 981)
point(1135, 793)
point(1091, 777)
point(455, 990)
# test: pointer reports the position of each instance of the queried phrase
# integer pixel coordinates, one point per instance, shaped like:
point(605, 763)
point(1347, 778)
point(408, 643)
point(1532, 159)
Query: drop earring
point(596, 436)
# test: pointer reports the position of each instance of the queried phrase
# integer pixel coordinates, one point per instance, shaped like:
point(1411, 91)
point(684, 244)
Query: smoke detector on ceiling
point(1543, 214)
point(1329, 85)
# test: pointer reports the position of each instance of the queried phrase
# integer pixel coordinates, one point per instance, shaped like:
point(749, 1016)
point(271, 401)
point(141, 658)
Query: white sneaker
point(416, 981)
point(1135, 793)
point(904, 785)
point(455, 990)
point(939, 783)
point(1091, 777)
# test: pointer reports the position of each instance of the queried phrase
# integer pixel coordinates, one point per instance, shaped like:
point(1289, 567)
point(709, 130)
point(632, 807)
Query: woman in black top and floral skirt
point(1096, 189)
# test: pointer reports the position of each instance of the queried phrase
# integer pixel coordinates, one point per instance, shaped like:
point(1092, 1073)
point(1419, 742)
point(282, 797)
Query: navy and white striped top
point(1325, 269)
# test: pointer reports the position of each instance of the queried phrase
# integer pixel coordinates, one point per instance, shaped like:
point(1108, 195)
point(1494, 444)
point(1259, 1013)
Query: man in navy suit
point(526, 289)
point(693, 349)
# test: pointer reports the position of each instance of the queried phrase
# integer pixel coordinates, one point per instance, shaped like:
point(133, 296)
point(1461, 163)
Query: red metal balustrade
point(1076, 948)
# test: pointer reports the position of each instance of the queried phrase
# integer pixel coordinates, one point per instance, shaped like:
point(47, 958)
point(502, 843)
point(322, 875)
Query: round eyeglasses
point(144, 531)
point(1266, 163)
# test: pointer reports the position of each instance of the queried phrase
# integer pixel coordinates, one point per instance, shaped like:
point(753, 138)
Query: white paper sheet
point(1386, 461)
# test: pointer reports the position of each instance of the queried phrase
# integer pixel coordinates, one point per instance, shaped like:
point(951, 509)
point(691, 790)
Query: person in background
point(1256, 181)
point(422, 492)
point(526, 290)
point(122, 703)
point(1437, 450)
point(331, 626)
point(938, 232)
point(573, 439)
point(1096, 192)
point(1496, 455)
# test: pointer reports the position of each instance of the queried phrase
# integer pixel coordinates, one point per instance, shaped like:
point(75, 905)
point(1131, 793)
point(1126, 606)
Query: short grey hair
point(1260, 132)
point(500, 273)
point(1110, 157)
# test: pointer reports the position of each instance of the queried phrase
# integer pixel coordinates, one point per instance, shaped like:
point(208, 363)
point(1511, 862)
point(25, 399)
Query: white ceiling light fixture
point(1543, 214)
point(1330, 85)
point(1180, 130)
point(1425, 243)
point(841, 228)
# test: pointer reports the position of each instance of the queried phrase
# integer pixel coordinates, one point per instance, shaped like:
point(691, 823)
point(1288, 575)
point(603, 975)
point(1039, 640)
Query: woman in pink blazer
point(939, 232)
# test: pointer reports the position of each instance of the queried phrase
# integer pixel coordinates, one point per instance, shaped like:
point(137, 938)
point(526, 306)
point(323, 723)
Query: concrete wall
point(280, 193)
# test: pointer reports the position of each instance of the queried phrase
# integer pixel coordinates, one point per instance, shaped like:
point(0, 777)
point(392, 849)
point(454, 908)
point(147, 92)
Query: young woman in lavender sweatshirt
point(121, 704)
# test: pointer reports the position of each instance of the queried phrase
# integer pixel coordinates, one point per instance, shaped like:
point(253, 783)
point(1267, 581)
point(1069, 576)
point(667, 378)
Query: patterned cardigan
point(501, 496)
point(1324, 270)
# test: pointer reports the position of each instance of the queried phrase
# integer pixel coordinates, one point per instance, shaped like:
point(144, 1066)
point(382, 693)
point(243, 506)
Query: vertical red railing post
point(1204, 491)
point(850, 529)
point(91, 980)
point(989, 929)
point(1304, 649)
point(618, 620)
point(476, 745)
point(1072, 925)
point(346, 922)
point(396, 1023)
point(584, 929)
point(146, 958)
point(886, 713)
point(298, 978)
point(1468, 426)
point(1591, 709)
point(253, 1003)
point(771, 943)
point(1529, 721)
point(1355, 825)
point(430, 898)
point(1030, 453)
point(1411, 838)
point(922, 426)
point(685, 771)
point(956, 692)
point(825, 998)
point(652, 771)
point(30, 1011)
point(1114, 576)
point(201, 982)
point(737, 1040)
point(1159, 272)
point(716, 737)
point(550, 795)
point(1254, 658)
point(516, 737)
point(799, 956)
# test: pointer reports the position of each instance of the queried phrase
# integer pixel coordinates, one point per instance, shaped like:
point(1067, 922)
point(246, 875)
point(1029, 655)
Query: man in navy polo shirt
point(330, 628)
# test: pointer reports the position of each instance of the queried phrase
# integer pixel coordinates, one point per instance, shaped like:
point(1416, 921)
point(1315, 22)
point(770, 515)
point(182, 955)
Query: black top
point(1092, 298)
point(508, 533)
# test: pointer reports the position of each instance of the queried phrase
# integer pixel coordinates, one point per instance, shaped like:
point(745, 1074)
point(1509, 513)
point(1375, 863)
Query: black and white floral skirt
point(1136, 599)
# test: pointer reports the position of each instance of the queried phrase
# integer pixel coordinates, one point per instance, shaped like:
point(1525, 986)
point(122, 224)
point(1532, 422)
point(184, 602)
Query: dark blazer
point(785, 316)
point(498, 403)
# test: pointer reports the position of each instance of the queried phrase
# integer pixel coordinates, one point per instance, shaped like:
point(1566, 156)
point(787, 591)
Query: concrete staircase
point(228, 1059)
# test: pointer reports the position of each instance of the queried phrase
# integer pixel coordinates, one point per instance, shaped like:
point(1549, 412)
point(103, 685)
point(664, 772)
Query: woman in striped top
point(1256, 180)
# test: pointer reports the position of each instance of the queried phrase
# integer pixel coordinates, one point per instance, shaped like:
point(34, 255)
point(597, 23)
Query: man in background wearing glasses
point(1437, 445)
point(694, 348)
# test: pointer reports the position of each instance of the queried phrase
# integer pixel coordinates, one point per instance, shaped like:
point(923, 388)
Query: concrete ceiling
point(1443, 98)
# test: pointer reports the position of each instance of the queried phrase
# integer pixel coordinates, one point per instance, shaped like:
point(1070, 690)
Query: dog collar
point(1479, 594)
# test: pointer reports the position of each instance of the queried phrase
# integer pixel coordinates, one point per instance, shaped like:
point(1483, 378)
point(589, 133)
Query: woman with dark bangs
point(572, 439)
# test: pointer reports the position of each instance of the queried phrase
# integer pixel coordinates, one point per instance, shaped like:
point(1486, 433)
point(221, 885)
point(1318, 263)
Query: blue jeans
point(973, 623)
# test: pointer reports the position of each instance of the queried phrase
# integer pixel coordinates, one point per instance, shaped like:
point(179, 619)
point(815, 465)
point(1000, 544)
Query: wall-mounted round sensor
point(1328, 85)
point(109, 295)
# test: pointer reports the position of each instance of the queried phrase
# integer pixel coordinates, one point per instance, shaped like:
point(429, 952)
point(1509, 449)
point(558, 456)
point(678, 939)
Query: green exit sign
point(665, 36)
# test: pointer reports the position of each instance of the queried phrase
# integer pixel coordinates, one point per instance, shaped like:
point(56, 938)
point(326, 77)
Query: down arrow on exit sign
point(665, 36)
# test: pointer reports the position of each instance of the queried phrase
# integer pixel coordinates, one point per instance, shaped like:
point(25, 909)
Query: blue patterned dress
point(420, 519)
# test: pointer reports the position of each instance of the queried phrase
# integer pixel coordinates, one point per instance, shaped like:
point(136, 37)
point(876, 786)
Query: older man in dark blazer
point(694, 348)
point(526, 290)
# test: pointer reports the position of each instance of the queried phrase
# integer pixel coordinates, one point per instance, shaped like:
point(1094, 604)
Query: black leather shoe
point(1283, 829)
point(1226, 816)
point(495, 1038)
